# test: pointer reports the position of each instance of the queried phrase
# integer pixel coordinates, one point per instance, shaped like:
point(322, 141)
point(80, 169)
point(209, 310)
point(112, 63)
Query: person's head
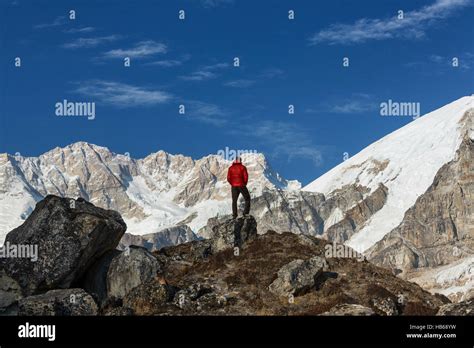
point(238, 159)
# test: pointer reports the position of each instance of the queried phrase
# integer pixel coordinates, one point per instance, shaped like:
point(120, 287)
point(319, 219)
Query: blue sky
point(190, 62)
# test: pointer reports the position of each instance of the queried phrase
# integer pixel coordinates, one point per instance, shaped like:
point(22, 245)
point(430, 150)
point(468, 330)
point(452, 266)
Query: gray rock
point(385, 305)
point(70, 235)
point(129, 269)
point(460, 308)
point(233, 233)
point(58, 303)
point(10, 291)
point(349, 310)
point(147, 298)
point(297, 277)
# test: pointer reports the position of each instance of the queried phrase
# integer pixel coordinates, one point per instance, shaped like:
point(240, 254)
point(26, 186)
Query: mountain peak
point(412, 155)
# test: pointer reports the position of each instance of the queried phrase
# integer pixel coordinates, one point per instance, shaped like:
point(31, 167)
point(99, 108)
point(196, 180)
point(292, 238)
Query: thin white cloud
point(121, 94)
point(80, 30)
point(355, 104)
point(412, 26)
point(206, 112)
point(166, 63)
point(87, 42)
point(242, 83)
point(205, 73)
point(170, 63)
point(141, 50)
point(61, 20)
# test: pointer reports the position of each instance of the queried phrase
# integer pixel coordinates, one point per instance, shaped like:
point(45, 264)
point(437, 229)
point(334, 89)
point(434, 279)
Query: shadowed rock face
point(70, 236)
point(439, 228)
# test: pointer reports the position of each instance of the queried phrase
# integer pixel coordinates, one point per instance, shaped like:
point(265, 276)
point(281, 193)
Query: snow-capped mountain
point(153, 193)
point(424, 226)
point(406, 201)
point(405, 161)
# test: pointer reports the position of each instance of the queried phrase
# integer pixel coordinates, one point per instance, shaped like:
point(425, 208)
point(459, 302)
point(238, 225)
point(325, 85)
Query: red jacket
point(237, 174)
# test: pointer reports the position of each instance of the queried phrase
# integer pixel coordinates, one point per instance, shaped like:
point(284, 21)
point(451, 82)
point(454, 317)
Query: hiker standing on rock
point(237, 177)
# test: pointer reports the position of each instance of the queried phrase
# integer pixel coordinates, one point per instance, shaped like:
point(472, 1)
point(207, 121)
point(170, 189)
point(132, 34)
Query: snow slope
point(405, 161)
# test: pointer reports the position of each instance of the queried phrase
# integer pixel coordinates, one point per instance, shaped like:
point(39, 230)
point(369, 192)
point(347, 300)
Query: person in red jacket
point(237, 177)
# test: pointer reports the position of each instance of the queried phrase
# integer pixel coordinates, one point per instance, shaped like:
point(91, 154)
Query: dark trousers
point(236, 190)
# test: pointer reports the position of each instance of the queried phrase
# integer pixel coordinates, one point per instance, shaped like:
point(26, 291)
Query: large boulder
point(58, 302)
point(297, 277)
point(132, 267)
point(233, 233)
point(70, 235)
point(118, 272)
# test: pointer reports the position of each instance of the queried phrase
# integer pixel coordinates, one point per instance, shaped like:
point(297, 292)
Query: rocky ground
point(237, 271)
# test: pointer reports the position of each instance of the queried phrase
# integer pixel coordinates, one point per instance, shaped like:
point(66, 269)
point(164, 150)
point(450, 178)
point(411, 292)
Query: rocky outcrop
point(233, 233)
point(239, 284)
point(460, 308)
point(355, 218)
point(70, 235)
point(297, 277)
point(346, 309)
point(155, 241)
point(58, 302)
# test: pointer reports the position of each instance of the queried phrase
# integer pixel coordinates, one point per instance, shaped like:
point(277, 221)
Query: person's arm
point(228, 175)
point(246, 176)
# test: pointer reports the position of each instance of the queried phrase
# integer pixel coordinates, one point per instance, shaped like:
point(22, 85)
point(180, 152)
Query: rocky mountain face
point(439, 229)
point(237, 272)
point(417, 217)
point(155, 241)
